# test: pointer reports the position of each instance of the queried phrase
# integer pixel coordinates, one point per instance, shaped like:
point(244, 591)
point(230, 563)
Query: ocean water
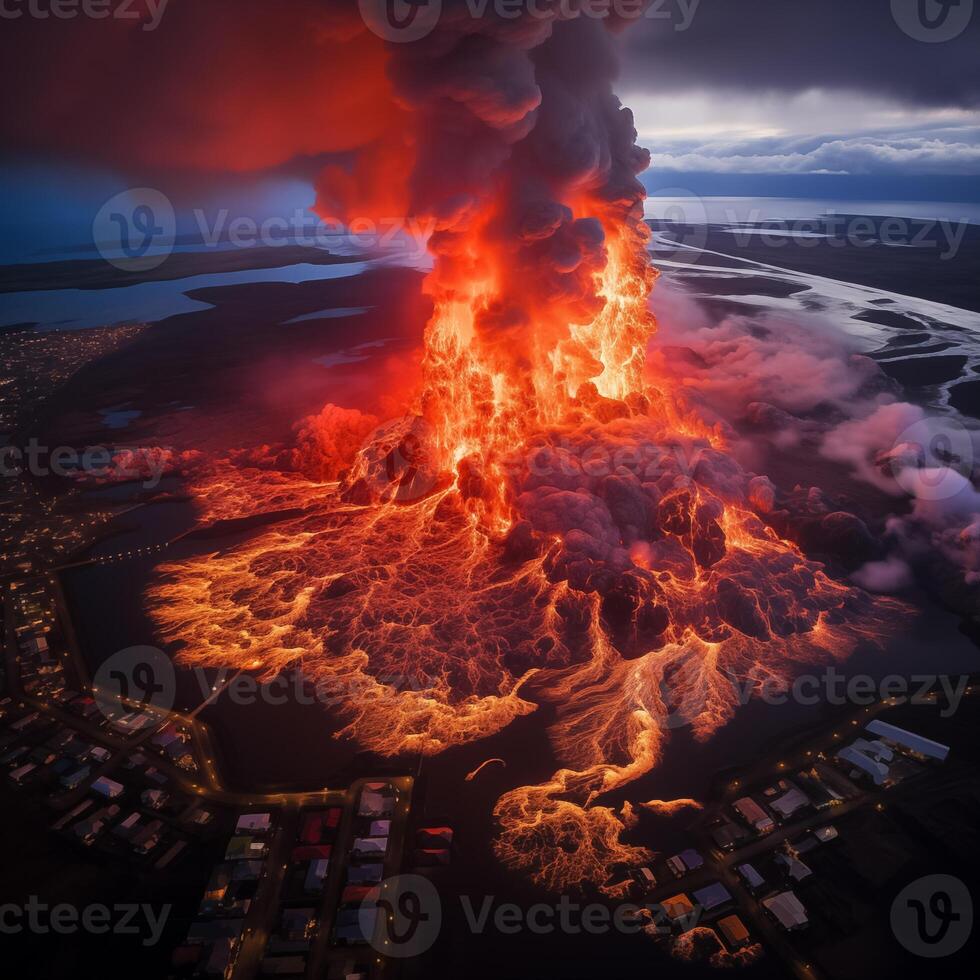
point(74, 309)
point(732, 210)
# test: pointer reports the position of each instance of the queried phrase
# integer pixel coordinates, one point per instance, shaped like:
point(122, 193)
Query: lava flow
point(546, 525)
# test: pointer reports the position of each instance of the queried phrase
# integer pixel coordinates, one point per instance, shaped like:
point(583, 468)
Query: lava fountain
point(546, 524)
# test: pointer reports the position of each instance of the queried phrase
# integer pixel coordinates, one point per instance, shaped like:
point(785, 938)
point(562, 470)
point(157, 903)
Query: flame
point(409, 608)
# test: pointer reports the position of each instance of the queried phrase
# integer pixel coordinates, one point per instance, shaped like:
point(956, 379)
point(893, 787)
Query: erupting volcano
point(546, 523)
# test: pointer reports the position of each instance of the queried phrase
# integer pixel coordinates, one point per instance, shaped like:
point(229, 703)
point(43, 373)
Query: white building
point(787, 910)
point(853, 755)
point(909, 740)
point(790, 802)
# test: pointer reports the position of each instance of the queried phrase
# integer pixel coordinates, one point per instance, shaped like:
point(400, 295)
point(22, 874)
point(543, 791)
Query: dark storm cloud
point(794, 45)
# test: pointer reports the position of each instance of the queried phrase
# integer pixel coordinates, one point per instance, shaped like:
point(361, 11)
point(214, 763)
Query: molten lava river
point(547, 525)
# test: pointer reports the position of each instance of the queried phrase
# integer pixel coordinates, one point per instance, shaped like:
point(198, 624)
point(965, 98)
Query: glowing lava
point(544, 526)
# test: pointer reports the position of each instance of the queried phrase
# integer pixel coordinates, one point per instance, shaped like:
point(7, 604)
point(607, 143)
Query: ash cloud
point(797, 386)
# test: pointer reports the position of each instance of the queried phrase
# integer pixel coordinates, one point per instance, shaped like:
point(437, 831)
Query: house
point(126, 828)
point(753, 880)
point(167, 736)
point(794, 867)
point(787, 910)
point(733, 931)
point(688, 860)
point(916, 744)
point(728, 835)
point(321, 825)
point(154, 799)
point(712, 896)
point(754, 815)
point(315, 875)
point(77, 811)
point(254, 823)
point(19, 776)
point(108, 788)
point(75, 778)
point(155, 776)
point(14, 755)
point(242, 848)
point(354, 925)
point(429, 836)
point(876, 748)
point(645, 878)
point(677, 907)
point(246, 870)
point(787, 804)
point(377, 800)
point(364, 874)
point(355, 894)
point(90, 828)
point(372, 847)
point(197, 815)
point(824, 834)
point(821, 795)
point(217, 886)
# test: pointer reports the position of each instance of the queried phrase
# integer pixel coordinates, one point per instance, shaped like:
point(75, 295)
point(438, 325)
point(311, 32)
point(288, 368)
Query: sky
point(823, 99)
point(829, 97)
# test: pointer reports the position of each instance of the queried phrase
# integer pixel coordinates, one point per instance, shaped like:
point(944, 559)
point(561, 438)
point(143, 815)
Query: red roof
point(311, 852)
point(355, 893)
point(310, 833)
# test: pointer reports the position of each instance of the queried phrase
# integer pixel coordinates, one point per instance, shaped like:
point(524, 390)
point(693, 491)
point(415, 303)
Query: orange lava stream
point(429, 632)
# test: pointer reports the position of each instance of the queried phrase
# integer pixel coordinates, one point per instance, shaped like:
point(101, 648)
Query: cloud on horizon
point(928, 154)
